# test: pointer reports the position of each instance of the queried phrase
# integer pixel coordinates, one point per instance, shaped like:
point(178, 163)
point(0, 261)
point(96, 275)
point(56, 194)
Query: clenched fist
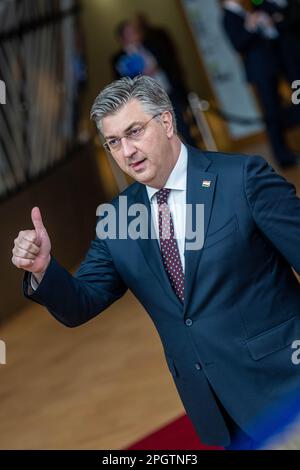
point(32, 247)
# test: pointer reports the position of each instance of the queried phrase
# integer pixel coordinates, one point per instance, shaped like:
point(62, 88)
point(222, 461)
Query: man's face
point(131, 35)
point(148, 159)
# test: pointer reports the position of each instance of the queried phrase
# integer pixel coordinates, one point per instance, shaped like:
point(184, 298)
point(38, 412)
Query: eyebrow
point(134, 123)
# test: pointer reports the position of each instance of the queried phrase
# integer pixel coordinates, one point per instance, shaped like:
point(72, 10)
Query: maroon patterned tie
point(168, 244)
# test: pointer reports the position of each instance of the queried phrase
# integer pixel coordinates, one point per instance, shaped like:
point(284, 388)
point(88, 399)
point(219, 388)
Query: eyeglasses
point(134, 134)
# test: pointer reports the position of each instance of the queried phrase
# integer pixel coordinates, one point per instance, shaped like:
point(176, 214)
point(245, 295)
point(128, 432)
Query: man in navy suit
point(285, 16)
point(212, 264)
point(255, 37)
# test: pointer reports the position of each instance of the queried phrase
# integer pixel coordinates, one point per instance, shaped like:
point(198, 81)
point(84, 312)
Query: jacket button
point(188, 322)
point(198, 366)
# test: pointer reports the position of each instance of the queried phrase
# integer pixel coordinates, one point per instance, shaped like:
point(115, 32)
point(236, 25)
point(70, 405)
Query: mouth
point(137, 165)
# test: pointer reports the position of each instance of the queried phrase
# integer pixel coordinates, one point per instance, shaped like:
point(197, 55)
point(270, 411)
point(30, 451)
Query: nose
point(128, 147)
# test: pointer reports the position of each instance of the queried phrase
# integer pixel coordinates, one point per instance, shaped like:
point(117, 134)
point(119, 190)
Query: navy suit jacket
point(232, 337)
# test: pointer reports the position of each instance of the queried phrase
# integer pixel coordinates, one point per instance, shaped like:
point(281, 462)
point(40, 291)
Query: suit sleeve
point(275, 208)
point(74, 300)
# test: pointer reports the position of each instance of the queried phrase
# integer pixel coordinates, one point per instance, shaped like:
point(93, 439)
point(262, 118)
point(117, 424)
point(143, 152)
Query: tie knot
point(162, 196)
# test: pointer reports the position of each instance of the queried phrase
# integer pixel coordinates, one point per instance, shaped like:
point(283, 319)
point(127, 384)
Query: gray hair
point(145, 89)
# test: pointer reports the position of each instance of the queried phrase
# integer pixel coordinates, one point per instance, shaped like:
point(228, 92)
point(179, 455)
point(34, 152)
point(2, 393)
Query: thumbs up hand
point(32, 248)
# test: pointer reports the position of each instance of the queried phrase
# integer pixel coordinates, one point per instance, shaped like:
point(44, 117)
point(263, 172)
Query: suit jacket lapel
point(200, 190)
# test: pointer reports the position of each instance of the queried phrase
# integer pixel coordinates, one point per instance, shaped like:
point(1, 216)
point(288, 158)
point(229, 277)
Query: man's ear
point(167, 122)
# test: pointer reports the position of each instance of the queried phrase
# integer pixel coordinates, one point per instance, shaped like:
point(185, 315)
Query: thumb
point(37, 220)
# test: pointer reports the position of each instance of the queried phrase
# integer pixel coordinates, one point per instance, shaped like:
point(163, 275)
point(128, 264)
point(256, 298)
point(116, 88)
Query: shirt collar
point(177, 178)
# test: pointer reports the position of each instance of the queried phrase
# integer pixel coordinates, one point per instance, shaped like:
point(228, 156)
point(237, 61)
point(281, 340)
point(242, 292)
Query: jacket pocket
point(221, 233)
point(273, 340)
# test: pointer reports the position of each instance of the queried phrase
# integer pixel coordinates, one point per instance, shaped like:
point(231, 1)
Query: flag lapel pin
point(206, 184)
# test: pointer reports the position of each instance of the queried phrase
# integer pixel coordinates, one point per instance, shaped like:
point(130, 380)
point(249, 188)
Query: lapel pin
point(206, 184)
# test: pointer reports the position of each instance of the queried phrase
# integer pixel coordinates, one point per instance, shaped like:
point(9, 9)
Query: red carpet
point(177, 435)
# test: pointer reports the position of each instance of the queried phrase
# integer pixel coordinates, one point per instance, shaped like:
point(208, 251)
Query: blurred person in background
point(254, 35)
point(284, 14)
point(141, 55)
point(158, 41)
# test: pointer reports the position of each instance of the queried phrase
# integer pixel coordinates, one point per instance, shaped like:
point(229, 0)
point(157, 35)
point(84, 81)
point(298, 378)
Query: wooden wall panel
point(68, 198)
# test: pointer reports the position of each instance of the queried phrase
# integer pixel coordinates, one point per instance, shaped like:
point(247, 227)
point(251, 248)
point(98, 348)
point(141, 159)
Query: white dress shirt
point(177, 201)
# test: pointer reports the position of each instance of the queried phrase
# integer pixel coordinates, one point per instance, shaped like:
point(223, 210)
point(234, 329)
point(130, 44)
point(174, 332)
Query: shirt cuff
point(34, 283)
